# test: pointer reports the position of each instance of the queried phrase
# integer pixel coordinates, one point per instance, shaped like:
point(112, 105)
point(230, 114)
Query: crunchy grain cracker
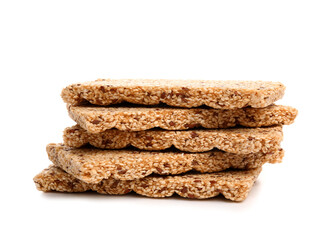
point(97, 119)
point(93, 165)
point(234, 140)
point(234, 185)
point(179, 93)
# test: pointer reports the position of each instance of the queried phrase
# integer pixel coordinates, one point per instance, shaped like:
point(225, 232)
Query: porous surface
point(93, 165)
point(234, 140)
point(97, 119)
point(179, 93)
point(233, 185)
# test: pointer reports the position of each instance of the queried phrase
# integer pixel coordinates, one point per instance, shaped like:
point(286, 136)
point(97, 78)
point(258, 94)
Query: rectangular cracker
point(234, 140)
point(233, 185)
point(96, 119)
point(179, 93)
point(93, 165)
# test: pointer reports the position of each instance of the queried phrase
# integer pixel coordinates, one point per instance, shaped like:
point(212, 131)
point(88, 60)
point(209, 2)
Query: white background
point(46, 45)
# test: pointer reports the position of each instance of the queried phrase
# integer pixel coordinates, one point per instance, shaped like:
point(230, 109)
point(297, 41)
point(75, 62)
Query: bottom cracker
point(234, 185)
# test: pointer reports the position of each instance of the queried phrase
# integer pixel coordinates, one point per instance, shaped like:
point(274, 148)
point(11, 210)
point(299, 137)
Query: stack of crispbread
point(198, 139)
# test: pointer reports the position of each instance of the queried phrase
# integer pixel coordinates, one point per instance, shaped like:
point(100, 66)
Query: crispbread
point(234, 140)
point(93, 165)
point(234, 185)
point(179, 93)
point(97, 119)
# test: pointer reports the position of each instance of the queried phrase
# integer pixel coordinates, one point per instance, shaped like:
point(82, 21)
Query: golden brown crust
point(97, 119)
point(236, 140)
point(234, 185)
point(179, 93)
point(55, 179)
point(93, 165)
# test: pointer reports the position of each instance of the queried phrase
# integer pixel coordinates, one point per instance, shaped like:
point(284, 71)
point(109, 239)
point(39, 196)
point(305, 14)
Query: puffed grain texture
point(97, 119)
point(179, 93)
point(93, 165)
point(234, 140)
point(233, 185)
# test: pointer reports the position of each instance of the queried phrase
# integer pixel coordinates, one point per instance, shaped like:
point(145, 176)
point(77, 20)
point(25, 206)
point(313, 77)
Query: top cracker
point(179, 93)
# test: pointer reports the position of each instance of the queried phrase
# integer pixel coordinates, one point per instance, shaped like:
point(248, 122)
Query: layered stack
point(198, 139)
